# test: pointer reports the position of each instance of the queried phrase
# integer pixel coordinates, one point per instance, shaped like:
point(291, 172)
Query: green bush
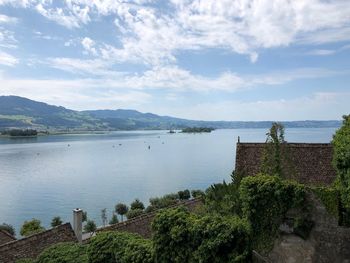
point(180, 236)
point(25, 260)
point(134, 213)
point(63, 253)
point(265, 200)
point(119, 247)
point(341, 162)
point(329, 196)
point(221, 239)
point(31, 227)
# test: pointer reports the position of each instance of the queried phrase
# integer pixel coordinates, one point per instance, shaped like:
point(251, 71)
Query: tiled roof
point(311, 162)
point(32, 246)
point(5, 237)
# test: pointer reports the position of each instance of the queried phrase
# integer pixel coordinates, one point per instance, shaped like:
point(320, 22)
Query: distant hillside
point(18, 112)
point(21, 112)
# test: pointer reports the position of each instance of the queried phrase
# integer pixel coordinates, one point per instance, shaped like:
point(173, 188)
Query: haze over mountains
point(19, 112)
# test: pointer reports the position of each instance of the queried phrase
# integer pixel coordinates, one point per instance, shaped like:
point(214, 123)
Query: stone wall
point(328, 242)
point(32, 246)
point(5, 237)
point(142, 224)
point(311, 163)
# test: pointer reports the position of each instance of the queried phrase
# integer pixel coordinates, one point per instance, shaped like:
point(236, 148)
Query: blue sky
point(210, 60)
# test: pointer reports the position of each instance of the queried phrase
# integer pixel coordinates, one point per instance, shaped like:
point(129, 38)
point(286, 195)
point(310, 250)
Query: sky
point(205, 60)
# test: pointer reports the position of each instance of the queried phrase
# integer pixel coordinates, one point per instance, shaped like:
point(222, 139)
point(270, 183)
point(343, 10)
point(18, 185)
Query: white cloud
point(153, 35)
point(7, 39)
point(174, 78)
point(88, 45)
point(4, 19)
point(7, 59)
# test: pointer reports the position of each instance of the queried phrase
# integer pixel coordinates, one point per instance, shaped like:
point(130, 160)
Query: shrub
point(90, 226)
point(114, 219)
point(8, 228)
point(137, 204)
point(63, 253)
point(329, 196)
point(180, 236)
point(119, 247)
point(56, 221)
point(265, 200)
point(184, 195)
point(31, 227)
point(197, 193)
point(341, 159)
point(134, 213)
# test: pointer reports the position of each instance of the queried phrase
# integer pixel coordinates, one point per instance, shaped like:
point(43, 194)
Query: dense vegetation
point(197, 129)
point(341, 161)
point(19, 132)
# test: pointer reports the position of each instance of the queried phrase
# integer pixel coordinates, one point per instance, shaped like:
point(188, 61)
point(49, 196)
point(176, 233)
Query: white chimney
point(78, 223)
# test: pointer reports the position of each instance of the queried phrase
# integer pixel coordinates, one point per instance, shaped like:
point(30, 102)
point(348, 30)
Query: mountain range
point(19, 112)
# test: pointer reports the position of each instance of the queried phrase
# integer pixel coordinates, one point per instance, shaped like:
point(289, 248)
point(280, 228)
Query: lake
point(49, 176)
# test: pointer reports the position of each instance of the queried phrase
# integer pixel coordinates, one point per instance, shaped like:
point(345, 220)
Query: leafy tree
point(114, 219)
point(162, 202)
point(341, 162)
point(8, 228)
point(90, 227)
point(276, 159)
point(123, 247)
point(56, 221)
point(137, 204)
point(104, 216)
point(63, 252)
point(184, 195)
point(180, 236)
point(265, 199)
point(84, 218)
point(197, 193)
point(121, 209)
point(134, 213)
point(31, 227)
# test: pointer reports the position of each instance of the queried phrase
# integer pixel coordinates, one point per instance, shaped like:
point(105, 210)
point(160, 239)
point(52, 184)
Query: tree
point(197, 193)
point(137, 204)
point(104, 216)
point(184, 195)
point(8, 228)
point(84, 218)
point(121, 209)
point(274, 155)
point(114, 219)
point(341, 159)
point(56, 221)
point(90, 227)
point(31, 227)
point(134, 213)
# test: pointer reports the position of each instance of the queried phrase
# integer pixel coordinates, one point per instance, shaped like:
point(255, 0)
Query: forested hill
point(18, 112)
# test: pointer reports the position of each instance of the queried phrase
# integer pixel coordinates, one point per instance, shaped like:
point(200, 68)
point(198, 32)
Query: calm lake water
point(50, 175)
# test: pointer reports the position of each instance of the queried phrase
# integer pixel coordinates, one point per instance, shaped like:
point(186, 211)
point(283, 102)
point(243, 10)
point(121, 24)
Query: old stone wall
point(32, 246)
point(5, 237)
point(308, 163)
point(142, 224)
point(328, 242)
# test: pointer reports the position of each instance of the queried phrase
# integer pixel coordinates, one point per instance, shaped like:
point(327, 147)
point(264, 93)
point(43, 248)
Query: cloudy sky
point(210, 59)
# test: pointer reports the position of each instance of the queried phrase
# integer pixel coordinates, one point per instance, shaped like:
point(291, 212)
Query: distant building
point(311, 162)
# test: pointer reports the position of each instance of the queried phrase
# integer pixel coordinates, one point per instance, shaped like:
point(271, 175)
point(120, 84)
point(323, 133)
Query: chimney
point(78, 223)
